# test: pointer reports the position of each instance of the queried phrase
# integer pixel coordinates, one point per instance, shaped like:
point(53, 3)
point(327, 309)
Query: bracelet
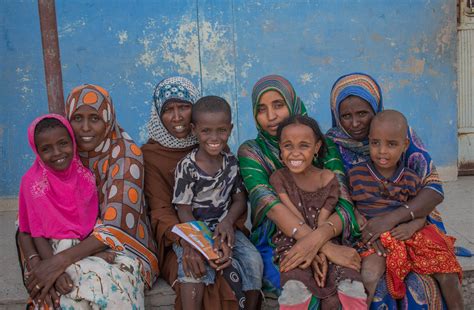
point(332, 226)
point(293, 232)
point(411, 212)
point(295, 229)
point(33, 256)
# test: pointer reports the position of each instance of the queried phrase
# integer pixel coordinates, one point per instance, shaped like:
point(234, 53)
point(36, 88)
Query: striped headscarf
point(177, 89)
point(355, 84)
point(365, 87)
point(117, 163)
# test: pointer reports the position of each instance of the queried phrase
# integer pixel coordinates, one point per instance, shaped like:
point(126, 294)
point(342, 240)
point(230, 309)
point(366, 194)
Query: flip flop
point(460, 251)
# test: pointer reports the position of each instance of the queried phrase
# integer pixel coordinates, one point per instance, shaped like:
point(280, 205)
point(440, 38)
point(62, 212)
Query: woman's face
point(355, 115)
point(176, 117)
point(89, 128)
point(271, 111)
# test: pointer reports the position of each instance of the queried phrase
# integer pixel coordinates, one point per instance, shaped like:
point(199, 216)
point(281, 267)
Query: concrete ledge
point(468, 288)
point(448, 173)
point(162, 295)
point(8, 204)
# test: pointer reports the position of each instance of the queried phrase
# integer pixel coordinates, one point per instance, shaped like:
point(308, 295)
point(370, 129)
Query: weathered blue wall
point(224, 47)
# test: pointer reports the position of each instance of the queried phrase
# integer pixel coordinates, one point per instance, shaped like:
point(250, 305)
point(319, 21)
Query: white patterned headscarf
point(177, 88)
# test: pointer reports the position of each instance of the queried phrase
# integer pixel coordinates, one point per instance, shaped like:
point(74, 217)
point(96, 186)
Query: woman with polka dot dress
point(122, 226)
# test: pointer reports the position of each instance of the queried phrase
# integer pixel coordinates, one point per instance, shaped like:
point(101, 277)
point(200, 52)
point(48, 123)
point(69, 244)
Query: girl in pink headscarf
point(58, 207)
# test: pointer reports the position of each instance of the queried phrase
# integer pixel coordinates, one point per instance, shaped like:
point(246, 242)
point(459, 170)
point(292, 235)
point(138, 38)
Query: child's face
point(298, 147)
point(387, 143)
point(89, 128)
point(176, 117)
point(212, 131)
point(54, 146)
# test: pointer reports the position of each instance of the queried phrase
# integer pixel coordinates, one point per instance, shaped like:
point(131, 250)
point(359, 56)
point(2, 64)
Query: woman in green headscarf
point(274, 100)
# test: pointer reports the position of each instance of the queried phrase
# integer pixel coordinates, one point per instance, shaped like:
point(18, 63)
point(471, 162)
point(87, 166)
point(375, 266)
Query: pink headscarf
point(57, 204)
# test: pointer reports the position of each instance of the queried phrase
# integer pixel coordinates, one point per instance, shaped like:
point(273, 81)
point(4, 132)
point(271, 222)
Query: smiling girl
point(311, 194)
point(59, 205)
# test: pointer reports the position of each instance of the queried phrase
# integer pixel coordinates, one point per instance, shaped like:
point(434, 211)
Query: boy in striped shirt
point(382, 185)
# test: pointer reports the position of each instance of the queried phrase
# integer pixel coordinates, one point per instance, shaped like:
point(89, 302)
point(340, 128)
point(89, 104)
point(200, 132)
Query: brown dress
point(309, 204)
point(160, 163)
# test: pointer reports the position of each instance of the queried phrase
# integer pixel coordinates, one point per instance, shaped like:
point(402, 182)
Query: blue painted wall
point(224, 47)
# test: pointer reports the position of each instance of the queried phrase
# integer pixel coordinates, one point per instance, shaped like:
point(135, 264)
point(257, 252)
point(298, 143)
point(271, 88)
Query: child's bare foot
point(108, 256)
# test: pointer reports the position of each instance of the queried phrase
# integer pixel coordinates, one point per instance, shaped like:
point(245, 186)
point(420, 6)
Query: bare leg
point(252, 299)
point(451, 290)
point(373, 268)
point(191, 295)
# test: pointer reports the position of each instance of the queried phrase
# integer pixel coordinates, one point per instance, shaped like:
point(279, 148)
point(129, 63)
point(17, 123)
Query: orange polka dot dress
point(117, 163)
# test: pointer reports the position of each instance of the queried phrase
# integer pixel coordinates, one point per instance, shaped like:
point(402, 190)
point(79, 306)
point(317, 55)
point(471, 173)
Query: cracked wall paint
point(412, 65)
point(179, 46)
point(443, 39)
point(69, 28)
point(24, 87)
point(306, 78)
point(123, 36)
point(217, 53)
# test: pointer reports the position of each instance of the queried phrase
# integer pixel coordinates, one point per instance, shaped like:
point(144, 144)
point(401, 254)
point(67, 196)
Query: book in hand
point(199, 236)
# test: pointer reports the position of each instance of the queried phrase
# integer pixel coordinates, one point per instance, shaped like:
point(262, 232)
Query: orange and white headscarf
point(117, 163)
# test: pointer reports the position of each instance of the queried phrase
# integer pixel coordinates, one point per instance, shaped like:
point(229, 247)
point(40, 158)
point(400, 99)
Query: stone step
point(162, 296)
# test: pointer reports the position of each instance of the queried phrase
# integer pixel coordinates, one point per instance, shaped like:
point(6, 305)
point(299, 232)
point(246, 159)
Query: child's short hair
point(48, 123)
point(306, 121)
point(211, 104)
point(393, 117)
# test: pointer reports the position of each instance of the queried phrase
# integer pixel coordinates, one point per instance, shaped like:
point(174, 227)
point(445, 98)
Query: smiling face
point(355, 115)
point(176, 117)
point(212, 130)
point(271, 111)
point(89, 128)
point(298, 147)
point(55, 148)
point(388, 140)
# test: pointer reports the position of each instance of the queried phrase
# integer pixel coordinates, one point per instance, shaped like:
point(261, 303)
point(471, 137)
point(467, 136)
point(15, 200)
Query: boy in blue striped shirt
point(382, 185)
